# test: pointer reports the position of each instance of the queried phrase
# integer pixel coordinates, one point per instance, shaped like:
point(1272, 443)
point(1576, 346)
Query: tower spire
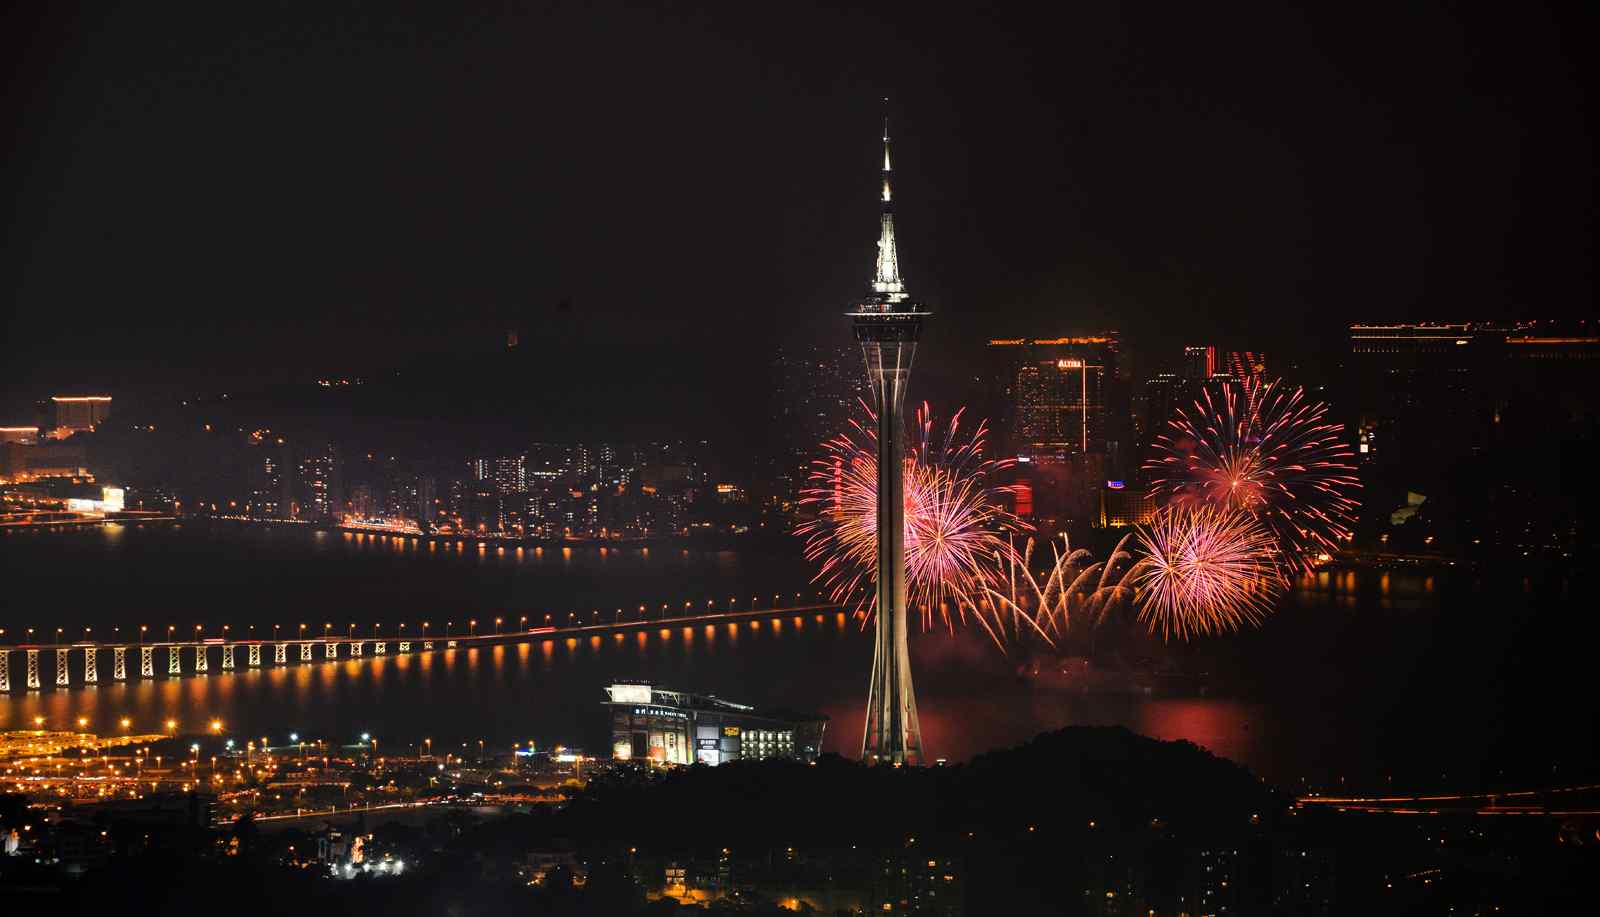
point(886, 278)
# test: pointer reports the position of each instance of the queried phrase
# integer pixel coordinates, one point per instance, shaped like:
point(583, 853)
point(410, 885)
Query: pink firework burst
point(1268, 451)
point(1205, 570)
point(957, 549)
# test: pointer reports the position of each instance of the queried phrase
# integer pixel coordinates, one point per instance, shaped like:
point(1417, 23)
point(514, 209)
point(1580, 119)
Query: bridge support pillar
point(227, 657)
point(33, 669)
point(355, 648)
point(330, 650)
point(91, 665)
point(63, 679)
point(405, 647)
point(280, 653)
point(119, 663)
point(380, 647)
point(5, 670)
point(147, 662)
point(427, 644)
point(254, 659)
point(305, 652)
point(174, 663)
point(200, 664)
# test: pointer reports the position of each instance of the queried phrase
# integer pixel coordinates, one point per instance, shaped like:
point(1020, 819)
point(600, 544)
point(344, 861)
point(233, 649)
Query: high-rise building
point(887, 325)
point(1199, 362)
point(264, 482)
point(511, 474)
point(427, 502)
point(80, 413)
point(816, 393)
point(319, 488)
point(1061, 395)
point(1161, 395)
point(1067, 418)
point(1247, 365)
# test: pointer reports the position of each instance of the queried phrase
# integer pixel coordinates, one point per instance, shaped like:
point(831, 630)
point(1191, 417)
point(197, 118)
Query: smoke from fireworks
point(1268, 451)
point(956, 529)
point(1206, 570)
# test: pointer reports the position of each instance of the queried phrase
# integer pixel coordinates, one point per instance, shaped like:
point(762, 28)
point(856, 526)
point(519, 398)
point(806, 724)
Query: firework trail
point(1206, 570)
point(957, 544)
point(1075, 591)
point(1268, 451)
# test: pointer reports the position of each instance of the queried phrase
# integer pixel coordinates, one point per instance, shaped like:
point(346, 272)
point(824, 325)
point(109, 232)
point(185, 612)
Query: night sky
point(214, 195)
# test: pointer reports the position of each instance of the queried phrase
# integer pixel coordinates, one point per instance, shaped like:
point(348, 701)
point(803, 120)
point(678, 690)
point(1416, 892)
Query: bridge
point(1564, 802)
point(143, 659)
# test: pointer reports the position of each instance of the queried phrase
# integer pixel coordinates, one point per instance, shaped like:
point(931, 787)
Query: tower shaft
point(893, 734)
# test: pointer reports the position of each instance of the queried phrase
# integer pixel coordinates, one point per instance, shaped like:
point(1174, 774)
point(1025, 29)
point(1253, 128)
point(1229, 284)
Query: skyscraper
point(1199, 362)
point(887, 325)
point(1058, 395)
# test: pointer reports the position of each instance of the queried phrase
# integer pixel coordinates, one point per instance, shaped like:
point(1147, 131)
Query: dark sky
point(216, 193)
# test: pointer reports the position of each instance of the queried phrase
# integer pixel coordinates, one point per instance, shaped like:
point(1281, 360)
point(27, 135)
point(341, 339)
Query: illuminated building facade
point(1199, 361)
point(80, 413)
point(1122, 505)
point(19, 434)
point(667, 726)
point(265, 483)
point(1060, 395)
point(1405, 344)
point(887, 326)
point(318, 490)
point(1066, 416)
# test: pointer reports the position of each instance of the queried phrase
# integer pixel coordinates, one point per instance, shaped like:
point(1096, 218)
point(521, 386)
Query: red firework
point(1205, 570)
point(1268, 451)
point(956, 527)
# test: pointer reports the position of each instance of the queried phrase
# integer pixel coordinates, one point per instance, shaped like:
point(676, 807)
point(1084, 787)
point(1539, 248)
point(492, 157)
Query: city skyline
point(436, 476)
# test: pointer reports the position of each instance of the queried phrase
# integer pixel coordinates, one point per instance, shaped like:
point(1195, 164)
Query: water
point(1374, 678)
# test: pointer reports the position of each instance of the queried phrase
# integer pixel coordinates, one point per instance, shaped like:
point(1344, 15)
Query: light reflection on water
point(1270, 704)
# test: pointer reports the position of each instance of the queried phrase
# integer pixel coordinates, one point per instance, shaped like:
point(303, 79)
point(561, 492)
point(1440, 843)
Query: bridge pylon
point(119, 663)
point(63, 676)
point(33, 670)
point(147, 663)
point(91, 665)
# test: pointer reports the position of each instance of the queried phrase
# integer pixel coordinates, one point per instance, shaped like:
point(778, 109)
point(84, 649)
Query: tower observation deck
point(887, 325)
